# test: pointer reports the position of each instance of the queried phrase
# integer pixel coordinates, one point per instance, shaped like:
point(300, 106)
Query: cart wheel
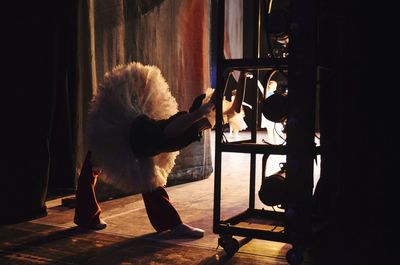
point(294, 256)
point(229, 244)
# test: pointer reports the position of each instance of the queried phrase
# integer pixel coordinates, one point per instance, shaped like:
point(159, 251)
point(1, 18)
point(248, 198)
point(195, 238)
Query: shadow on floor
point(30, 243)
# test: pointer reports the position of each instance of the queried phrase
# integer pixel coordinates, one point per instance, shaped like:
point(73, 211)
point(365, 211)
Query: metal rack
point(293, 224)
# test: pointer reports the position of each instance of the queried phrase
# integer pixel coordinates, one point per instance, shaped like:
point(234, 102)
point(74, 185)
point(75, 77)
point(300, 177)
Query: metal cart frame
point(295, 221)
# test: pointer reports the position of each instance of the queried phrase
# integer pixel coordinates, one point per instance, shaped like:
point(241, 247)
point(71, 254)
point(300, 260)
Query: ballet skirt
point(129, 91)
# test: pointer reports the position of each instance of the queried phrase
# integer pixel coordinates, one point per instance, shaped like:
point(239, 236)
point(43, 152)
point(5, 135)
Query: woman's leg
point(163, 215)
point(87, 210)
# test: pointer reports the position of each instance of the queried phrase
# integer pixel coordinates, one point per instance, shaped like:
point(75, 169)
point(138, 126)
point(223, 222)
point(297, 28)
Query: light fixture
point(277, 28)
point(275, 107)
point(272, 190)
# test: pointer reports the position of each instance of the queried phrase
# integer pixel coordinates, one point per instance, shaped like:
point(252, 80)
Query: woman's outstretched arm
point(181, 123)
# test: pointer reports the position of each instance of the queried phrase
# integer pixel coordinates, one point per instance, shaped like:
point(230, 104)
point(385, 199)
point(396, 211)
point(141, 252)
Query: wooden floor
point(129, 237)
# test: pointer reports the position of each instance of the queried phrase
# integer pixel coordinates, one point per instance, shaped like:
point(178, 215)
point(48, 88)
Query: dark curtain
point(28, 86)
point(356, 194)
point(65, 101)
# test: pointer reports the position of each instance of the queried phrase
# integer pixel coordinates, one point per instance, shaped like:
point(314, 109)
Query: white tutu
point(128, 91)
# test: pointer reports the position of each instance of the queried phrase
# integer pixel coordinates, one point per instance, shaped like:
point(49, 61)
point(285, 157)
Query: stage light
point(275, 107)
point(272, 190)
point(277, 28)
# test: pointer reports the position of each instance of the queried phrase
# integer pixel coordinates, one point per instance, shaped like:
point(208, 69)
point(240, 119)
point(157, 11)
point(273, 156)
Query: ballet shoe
point(184, 230)
point(101, 224)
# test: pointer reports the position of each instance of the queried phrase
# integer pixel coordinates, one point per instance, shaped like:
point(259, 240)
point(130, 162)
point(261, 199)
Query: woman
point(134, 134)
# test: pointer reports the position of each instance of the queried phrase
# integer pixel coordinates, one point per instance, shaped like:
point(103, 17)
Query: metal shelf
point(299, 147)
point(256, 64)
point(255, 148)
point(256, 223)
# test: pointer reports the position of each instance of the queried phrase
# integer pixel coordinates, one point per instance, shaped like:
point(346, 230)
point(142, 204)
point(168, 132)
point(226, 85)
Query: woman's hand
point(206, 108)
point(181, 123)
point(197, 102)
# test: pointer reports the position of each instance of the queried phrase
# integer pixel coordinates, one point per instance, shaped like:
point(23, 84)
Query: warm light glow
point(270, 6)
